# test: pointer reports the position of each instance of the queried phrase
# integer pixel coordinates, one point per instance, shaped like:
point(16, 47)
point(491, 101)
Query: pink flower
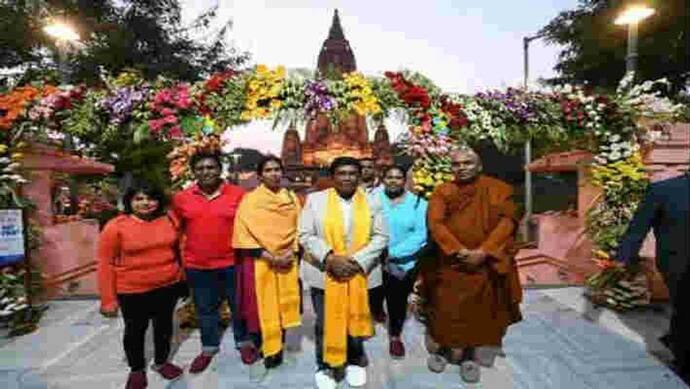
point(156, 125)
point(167, 111)
point(171, 119)
point(176, 133)
point(184, 103)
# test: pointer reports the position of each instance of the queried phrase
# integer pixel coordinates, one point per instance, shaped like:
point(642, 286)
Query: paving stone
point(555, 346)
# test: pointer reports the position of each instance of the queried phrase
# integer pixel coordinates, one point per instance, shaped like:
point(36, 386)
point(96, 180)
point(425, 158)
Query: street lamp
point(528, 144)
point(65, 38)
point(61, 31)
point(632, 17)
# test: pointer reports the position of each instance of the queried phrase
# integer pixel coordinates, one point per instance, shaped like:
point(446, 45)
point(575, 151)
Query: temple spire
point(336, 31)
point(336, 56)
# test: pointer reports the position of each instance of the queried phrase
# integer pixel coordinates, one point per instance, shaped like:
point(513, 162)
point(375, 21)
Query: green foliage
point(229, 105)
point(86, 118)
point(116, 35)
point(623, 184)
point(14, 309)
point(595, 48)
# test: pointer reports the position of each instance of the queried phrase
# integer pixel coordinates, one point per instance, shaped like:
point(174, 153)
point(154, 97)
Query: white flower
point(614, 156)
point(615, 138)
point(600, 160)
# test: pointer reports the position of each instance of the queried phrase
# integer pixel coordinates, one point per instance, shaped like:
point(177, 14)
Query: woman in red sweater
point(138, 271)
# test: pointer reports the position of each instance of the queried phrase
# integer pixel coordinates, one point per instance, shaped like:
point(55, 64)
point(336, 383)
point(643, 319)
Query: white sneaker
point(355, 376)
point(323, 380)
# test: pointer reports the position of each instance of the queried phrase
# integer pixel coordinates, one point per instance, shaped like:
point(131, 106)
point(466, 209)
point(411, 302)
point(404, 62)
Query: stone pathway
point(562, 343)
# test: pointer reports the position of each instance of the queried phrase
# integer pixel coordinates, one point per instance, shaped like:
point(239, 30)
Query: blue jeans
point(209, 288)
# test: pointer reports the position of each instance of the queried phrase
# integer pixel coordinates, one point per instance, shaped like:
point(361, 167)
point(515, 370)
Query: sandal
point(470, 372)
point(436, 363)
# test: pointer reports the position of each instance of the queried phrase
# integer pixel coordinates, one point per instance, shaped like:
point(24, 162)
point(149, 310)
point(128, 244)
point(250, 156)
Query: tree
point(595, 48)
point(139, 34)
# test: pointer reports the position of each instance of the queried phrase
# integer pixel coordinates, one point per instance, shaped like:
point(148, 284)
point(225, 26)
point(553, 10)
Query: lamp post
point(528, 144)
point(65, 39)
point(632, 17)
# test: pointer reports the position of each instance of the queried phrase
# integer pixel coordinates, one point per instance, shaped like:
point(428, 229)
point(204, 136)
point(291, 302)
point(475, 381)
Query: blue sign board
point(11, 236)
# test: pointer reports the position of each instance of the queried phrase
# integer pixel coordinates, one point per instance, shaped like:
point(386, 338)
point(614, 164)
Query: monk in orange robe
point(472, 286)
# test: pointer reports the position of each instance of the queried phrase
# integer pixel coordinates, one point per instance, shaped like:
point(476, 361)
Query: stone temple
point(325, 140)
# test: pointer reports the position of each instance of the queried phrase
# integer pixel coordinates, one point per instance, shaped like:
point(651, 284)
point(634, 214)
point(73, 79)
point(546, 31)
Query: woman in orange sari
point(265, 236)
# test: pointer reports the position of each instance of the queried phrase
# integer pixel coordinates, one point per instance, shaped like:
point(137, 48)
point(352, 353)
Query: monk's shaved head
point(465, 163)
point(464, 150)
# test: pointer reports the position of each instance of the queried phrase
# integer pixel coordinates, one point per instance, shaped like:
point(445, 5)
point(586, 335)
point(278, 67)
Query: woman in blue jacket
point(405, 214)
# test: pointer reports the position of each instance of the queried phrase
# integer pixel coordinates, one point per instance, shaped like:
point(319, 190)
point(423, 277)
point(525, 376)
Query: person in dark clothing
point(666, 211)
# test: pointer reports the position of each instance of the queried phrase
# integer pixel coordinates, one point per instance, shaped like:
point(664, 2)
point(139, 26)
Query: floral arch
point(192, 116)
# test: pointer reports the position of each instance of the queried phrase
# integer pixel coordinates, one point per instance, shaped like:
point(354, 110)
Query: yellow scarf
point(346, 303)
point(268, 220)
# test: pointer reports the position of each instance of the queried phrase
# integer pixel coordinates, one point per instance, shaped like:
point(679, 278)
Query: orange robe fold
point(473, 308)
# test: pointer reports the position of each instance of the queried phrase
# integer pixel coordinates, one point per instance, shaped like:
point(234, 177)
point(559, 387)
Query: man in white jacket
point(323, 261)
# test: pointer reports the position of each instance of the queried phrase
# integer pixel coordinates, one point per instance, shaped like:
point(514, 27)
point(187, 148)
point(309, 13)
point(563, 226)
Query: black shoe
point(273, 361)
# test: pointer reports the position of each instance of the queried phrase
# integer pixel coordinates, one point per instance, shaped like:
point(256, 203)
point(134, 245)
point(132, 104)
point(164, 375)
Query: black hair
point(367, 159)
point(148, 188)
point(205, 155)
point(395, 167)
point(264, 160)
point(344, 161)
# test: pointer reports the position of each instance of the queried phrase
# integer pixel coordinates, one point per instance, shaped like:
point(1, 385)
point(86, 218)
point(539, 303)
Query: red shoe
point(200, 363)
point(169, 371)
point(397, 349)
point(137, 380)
point(249, 354)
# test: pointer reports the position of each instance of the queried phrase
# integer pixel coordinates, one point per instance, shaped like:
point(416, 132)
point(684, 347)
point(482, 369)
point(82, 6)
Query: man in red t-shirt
point(207, 212)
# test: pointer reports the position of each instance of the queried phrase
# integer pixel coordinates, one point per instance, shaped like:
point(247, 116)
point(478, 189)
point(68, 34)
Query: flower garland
point(14, 104)
point(167, 108)
point(180, 157)
point(318, 98)
point(359, 95)
point(610, 126)
point(223, 97)
point(263, 90)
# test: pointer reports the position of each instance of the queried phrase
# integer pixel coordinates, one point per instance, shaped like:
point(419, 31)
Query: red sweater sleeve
point(108, 251)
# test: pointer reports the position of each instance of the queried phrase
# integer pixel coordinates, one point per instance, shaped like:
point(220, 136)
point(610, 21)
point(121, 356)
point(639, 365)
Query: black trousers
point(376, 297)
point(355, 346)
point(680, 329)
point(397, 292)
point(138, 309)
